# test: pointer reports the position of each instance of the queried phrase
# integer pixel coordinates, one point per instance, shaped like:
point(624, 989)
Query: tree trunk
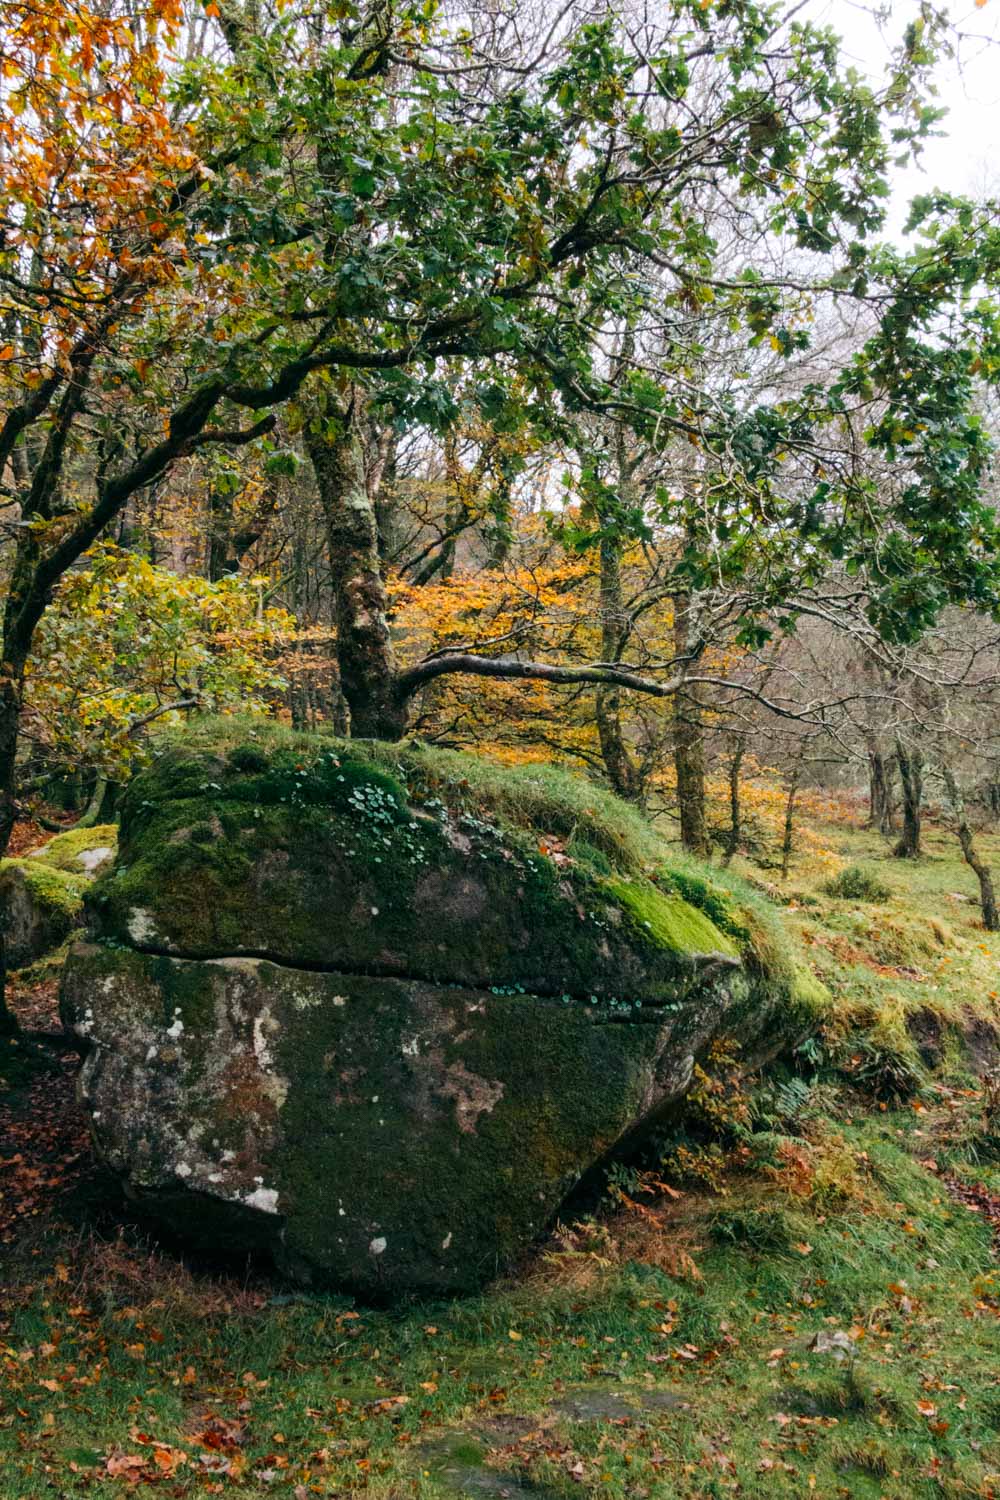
point(877, 788)
point(101, 806)
point(987, 895)
point(735, 804)
point(993, 796)
point(887, 822)
point(787, 841)
point(365, 656)
point(623, 773)
point(689, 746)
point(911, 778)
point(10, 717)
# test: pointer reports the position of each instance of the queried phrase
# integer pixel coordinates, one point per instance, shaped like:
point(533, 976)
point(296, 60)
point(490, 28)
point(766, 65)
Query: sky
point(967, 159)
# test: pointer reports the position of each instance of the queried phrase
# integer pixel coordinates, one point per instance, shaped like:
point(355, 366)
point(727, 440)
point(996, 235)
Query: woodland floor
point(821, 1317)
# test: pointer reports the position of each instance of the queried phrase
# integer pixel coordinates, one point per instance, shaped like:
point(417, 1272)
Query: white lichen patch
point(92, 859)
point(141, 926)
point(264, 1027)
point(307, 1001)
point(275, 1087)
point(264, 1198)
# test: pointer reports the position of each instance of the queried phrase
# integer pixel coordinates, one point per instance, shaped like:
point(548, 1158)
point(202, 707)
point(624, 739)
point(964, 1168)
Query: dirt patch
point(925, 1028)
point(979, 1200)
point(45, 1158)
point(605, 1404)
point(982, 1043)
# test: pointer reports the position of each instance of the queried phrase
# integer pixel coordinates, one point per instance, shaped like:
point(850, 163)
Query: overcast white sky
point(967, 158)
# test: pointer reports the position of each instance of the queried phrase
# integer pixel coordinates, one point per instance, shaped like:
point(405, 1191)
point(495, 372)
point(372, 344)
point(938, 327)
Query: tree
point(126, 645)
point(336, 217)
point(963, 830)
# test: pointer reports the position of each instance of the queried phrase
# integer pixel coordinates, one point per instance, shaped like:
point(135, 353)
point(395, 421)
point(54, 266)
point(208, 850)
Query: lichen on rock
point(344, 1005)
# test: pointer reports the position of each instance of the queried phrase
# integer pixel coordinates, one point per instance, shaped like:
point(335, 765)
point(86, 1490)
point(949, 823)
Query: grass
point(542, 798)
point(826, 1322)
point(108, 1355)
point(915, 974)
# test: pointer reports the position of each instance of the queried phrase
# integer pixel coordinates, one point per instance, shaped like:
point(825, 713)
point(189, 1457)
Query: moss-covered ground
point(806, 1302)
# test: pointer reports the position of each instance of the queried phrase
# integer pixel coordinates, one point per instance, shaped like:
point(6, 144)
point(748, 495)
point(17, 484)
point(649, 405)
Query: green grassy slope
point(824, 1320)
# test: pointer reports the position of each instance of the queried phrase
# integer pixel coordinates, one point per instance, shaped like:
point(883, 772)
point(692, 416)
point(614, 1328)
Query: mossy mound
point(79, 851)
point(363, 1006)
point(41, 906)
point(41, 894)
point(319, 853)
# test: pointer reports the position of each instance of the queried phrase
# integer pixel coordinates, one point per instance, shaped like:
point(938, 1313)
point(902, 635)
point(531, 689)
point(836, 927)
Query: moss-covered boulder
point(376, 1010)
point(79, 851)
point(41, 894)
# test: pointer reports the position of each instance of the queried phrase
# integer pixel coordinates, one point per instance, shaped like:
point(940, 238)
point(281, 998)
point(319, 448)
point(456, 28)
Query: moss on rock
point(673, 922)
point(41, 906)
point(322, 855)
point(79, 851)
point(355, 1004)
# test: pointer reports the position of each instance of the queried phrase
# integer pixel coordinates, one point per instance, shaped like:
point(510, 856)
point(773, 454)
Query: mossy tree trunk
point(365, 656)
point(24, 607)
point(10, 701)
point(910, 763)
point(689, 743)
point(963, 830)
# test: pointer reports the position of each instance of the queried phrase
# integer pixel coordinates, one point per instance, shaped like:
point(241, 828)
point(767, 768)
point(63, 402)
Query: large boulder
point(377, 1010)
point(41, 894)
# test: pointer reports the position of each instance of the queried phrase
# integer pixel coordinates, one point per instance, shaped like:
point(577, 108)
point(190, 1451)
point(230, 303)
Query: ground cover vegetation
point(796, 1292)
point(384, 383)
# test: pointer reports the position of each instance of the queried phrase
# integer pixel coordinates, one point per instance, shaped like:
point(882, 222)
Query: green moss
point(53, 890)
point(63, 852)
point(809, 993)
point(670, 921)
point(535, 798)
point(717, 905)
point(584, 853)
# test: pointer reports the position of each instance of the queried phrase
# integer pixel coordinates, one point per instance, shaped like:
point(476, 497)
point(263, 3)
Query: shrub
point(884, 1069)
point(857, 884)
point(767, 1230)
